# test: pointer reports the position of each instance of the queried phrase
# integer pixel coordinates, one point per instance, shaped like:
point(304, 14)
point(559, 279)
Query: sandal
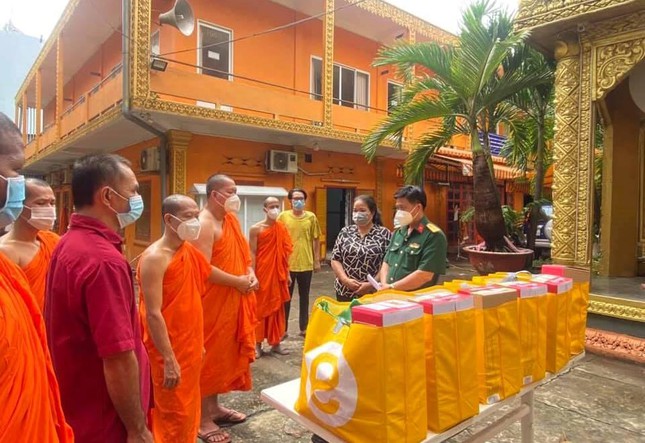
point(230, 418)
point(219, 436)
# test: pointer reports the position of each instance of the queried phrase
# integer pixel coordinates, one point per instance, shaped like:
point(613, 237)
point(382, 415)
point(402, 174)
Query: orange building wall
point(103, 61)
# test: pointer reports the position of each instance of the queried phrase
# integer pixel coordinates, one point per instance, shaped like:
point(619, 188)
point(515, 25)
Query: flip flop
point(229, 418)
point(277, 349)
point(211, 437)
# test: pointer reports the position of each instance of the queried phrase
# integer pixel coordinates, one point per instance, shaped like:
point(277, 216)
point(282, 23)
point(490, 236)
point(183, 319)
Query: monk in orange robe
point(271, 246)
point(30, 407)
point(172, 276)
point(229, 307)
point(30, 242)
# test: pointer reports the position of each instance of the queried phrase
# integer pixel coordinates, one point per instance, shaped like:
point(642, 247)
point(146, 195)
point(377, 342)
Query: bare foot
point(209, 432)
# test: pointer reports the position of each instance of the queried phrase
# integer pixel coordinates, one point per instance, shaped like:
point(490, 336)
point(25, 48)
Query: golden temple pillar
point(177, 146)
point(328, 63)
point(572, 155)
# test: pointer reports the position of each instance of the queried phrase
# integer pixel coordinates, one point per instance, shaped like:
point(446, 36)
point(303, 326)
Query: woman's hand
point(351, 284)
point(364, 288)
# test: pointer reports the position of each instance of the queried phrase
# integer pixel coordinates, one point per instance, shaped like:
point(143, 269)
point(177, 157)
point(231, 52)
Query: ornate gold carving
point(298, 179)
point(178, 145)
point(328, 63)
point(408, 21)
point(233, 117)
point(618, 308)
point(615, 26)
point(48, 46)
point(140, 48)
point(614, 61)
point(534, 13)
point(380, 179)
point(572, 154)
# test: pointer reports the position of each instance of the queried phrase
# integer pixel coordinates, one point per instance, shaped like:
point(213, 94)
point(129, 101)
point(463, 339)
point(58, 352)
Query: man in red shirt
point(92, 321)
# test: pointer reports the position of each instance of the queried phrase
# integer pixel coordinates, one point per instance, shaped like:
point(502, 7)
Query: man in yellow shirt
point(305, 235)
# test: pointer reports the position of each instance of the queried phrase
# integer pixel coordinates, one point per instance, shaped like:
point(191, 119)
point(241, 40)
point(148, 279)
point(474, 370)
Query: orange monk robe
point(272, 270)
point(176, 412)
point(36, 270)
point(229, 318)
point(30, 407)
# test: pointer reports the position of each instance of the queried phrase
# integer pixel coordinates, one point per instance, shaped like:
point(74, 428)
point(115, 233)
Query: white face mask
point(232, 203)
point(188, 230)
point(273, 213)
point(42, 217)
point(402, 218)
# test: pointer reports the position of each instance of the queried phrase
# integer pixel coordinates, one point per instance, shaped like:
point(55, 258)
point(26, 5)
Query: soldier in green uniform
point(417, 253)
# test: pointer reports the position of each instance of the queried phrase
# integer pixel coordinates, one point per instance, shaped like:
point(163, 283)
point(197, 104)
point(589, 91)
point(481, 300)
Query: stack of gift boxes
point(484, 339)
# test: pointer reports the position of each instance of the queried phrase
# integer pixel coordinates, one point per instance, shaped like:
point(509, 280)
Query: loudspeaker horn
point(180, 16)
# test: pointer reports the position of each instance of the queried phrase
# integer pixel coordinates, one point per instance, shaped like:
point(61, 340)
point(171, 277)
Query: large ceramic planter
point(486, 262)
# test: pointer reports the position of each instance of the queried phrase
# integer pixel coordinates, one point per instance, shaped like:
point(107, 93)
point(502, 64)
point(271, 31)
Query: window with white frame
point(155, 46)
point(394, 91)
point(215, 53)
point(350, 87)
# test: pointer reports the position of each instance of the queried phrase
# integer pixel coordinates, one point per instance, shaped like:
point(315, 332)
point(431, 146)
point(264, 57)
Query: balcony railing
point(104, 96)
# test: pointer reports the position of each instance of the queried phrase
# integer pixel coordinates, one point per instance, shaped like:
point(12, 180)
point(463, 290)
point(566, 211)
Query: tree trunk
point(489, 220)
point(538, 187)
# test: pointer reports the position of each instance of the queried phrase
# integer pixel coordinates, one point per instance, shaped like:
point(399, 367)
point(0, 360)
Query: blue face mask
point(15, 196)
point(298, 204)
point(136, 209)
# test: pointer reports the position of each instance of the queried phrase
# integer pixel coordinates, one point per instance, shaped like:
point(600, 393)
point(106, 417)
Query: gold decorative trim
point(535, 13)
point(328, 62)
point(408, 21)
point(617, 307)
point(92, 125)
point(615, 28)
point(614, 61)
point(187, 110)
point(140, 48)
point(178, 145)
point(53, 38)
point(572, 153)
point(380, 179)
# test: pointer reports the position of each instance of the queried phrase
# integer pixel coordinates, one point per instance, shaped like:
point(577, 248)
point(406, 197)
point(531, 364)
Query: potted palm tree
point(464, 86)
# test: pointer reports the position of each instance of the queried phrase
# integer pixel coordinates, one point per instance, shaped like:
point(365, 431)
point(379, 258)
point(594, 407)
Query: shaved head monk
point(93, 325)
point(172, 277)
point(30, 242)
point(229, 310)
point(30, 406)
point(271, 246)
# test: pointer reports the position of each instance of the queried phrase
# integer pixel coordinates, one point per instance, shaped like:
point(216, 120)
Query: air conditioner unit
point(282, 161)
point(149, 160)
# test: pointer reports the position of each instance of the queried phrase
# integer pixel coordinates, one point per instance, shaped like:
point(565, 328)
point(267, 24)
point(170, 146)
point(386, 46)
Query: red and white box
point(526, 289)
point(491, 296)
point(555, 284)
point(387, 313)
point(437, 305)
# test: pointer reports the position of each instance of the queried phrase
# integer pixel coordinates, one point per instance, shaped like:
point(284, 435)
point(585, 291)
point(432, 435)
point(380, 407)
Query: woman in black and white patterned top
point(359, 250)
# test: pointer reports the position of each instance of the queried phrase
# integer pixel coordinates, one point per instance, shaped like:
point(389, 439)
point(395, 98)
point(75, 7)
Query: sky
point(38, 17)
